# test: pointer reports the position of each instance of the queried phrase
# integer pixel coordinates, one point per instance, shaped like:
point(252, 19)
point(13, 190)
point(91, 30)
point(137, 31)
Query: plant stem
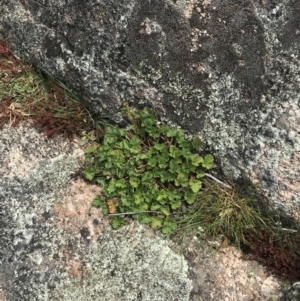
point(218, 181)
point(125, 213)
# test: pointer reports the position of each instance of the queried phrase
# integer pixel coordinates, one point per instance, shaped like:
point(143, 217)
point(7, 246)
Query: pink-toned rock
point(225, 70)
point(55, 246)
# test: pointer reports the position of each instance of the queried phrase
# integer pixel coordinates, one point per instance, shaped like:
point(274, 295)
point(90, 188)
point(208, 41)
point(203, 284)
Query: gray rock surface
point(225, 70)
point(55, 246)
point(42, 258)
point(292, 294)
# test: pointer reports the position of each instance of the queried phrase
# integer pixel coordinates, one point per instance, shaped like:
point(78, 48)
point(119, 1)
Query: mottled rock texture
point(226, 70)
point(292, 294)
point(55, 246)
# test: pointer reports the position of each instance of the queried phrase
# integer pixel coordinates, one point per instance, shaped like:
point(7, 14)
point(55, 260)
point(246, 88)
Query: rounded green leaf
point(172, 132)
point(190, 197)
point(197, 143)
point(91, 149)
point(168, 227)
point(134, 182)
point(148, 122)
point(155, 222)
point(208, 161)
point(176, 204)
point(182, 180)
point(117, 222)
point(196, 159)
point(195, 185)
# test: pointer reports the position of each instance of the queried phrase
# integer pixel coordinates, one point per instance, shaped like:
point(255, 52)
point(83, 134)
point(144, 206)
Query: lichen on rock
point(225, 70)
point(128, 265)
point(47, 254)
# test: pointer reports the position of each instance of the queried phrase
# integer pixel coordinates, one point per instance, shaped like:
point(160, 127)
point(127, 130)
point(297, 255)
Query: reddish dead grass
point(276, 253)
point(51, 109)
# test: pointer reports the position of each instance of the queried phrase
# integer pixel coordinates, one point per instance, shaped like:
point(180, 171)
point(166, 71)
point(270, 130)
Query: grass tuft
point(222, 212)
point(224, 216)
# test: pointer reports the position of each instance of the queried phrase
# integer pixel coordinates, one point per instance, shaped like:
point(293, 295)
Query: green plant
point(147, 170)
point(55, 109)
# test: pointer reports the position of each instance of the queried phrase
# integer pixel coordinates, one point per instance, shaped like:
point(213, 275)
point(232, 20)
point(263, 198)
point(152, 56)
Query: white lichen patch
point(128, 265)
point(56, 235)
point(3, 295)
point(23, 147)
point(189, 5)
